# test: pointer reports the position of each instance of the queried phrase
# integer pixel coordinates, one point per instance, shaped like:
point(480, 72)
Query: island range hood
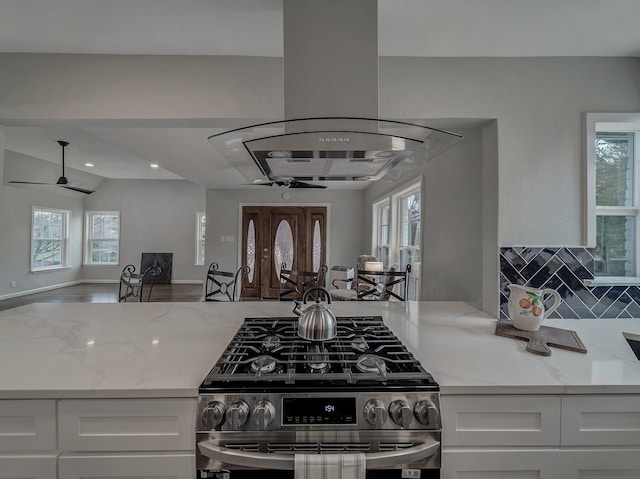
point(331, 130)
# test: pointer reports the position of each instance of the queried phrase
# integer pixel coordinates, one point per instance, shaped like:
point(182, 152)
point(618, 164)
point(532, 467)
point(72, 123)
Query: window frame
point(64, 249)
point(200, 238)
point(401, 223)
point(601, 123)
point(394, 201)
point(378, 245)
point(87, 257)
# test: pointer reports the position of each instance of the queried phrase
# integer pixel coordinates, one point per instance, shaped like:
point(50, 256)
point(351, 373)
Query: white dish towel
point(330, 466)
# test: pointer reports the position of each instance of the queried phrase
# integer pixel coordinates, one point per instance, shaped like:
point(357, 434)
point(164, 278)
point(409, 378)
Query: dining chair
point(383, 285)
point(345, 289)
point(294, 283)
point(223, 285)
point(132, 283)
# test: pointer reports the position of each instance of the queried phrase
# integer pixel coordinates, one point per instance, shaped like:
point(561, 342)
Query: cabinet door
point(612, 463)
point(28, 425)
point(27, 466)
point(127, 424)
point(601, 420)
point(130, 466)
point(501, 420)
point(492, 463)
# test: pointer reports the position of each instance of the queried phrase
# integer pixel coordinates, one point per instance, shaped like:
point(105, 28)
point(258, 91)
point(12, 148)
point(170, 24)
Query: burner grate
point(270, 350)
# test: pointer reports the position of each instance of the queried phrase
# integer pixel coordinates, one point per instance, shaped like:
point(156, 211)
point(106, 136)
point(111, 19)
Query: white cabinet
point(130, 466)
point(500, 436)
point(609, 463)
point(127, 424)
point(543, 437)
point(500, 463)
point(28, 425)
point(28, 439)
point(97, 438)
point(28, 466)
point(501, 420)
point(601, 420)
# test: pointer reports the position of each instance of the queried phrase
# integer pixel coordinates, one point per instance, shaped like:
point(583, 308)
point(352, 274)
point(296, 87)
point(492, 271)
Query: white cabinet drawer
point(28, 466)
point(600, 420)
point(127, 424)
point(504, 463)
point(112, 466)
point(27, 425)
point(610, 463)
point(501, 420)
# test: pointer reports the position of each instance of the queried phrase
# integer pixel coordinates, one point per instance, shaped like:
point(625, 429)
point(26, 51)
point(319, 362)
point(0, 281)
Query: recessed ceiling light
point(153, 165)
point(90, 165)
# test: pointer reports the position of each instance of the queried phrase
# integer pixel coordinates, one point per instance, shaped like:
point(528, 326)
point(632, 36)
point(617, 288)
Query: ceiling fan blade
point(302, 184)
point(269, 183)
point(77, 188)
point(29, 182)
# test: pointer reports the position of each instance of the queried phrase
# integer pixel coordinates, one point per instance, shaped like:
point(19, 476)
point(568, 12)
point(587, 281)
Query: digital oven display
point(319, 410)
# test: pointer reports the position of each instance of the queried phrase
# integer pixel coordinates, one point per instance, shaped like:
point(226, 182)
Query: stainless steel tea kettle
point(317, 322)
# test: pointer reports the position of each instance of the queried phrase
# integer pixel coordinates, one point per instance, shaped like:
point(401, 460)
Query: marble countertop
point(165, 349)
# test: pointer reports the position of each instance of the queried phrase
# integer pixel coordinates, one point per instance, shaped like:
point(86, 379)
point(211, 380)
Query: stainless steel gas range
point(273, 395)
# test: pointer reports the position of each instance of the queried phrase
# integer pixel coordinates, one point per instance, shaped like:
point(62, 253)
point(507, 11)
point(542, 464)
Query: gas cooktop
point(267, 353)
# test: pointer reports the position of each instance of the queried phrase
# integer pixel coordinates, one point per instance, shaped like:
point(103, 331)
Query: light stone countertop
point(83, 350)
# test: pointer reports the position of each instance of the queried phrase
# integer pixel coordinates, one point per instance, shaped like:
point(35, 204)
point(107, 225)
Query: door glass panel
point(251, 250)
point(283, 246)
point(317, 246)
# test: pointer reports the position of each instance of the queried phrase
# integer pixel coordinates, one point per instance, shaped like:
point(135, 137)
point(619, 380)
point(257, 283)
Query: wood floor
point(104, 293)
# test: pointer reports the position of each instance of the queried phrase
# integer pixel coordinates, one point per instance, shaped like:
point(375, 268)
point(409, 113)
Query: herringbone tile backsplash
point(563, 269)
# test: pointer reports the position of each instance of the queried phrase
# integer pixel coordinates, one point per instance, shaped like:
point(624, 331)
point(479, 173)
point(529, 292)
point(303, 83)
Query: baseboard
point(39, 290)
point(87, 281)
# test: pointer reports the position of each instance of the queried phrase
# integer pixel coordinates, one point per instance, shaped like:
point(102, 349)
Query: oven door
point(244, 455)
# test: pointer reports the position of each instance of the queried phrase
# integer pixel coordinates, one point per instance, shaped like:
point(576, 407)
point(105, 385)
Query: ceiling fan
point(62, 181)
point(286, 182)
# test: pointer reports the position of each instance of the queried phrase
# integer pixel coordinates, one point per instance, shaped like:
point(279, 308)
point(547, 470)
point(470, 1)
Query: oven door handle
point(261, 460)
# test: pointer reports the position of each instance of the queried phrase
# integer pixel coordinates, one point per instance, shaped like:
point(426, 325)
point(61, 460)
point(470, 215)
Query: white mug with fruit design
point(526, 306)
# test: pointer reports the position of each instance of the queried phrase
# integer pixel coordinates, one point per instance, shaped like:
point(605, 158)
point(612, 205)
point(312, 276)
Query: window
point(102, 237)
point(201, 231)
point(396, 235)
point(613, 153)
point(49, 239)
point(382, 247)
point(409, 242)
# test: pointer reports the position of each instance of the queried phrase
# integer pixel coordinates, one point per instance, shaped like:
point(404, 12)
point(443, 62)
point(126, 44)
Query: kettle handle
point(321, 288)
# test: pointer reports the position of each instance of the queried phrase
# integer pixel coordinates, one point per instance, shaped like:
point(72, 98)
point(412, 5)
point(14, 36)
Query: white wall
point(156, 216)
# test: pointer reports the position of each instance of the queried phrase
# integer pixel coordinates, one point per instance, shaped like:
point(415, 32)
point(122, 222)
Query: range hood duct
point(331, 130)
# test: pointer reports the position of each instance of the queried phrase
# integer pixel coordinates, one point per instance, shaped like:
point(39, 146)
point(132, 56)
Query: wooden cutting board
point(539, 341)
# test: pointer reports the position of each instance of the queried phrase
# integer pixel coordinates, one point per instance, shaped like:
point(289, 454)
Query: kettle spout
point(297, 310)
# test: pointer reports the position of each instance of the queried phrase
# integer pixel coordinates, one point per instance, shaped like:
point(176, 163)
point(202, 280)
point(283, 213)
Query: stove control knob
point(263, 412)
point(213, 415)
point(401, 413)
point(375, 413)
point(427, 413)
point(238, 414)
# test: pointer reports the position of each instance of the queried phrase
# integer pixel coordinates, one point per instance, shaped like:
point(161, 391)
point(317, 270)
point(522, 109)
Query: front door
point(273, 235)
